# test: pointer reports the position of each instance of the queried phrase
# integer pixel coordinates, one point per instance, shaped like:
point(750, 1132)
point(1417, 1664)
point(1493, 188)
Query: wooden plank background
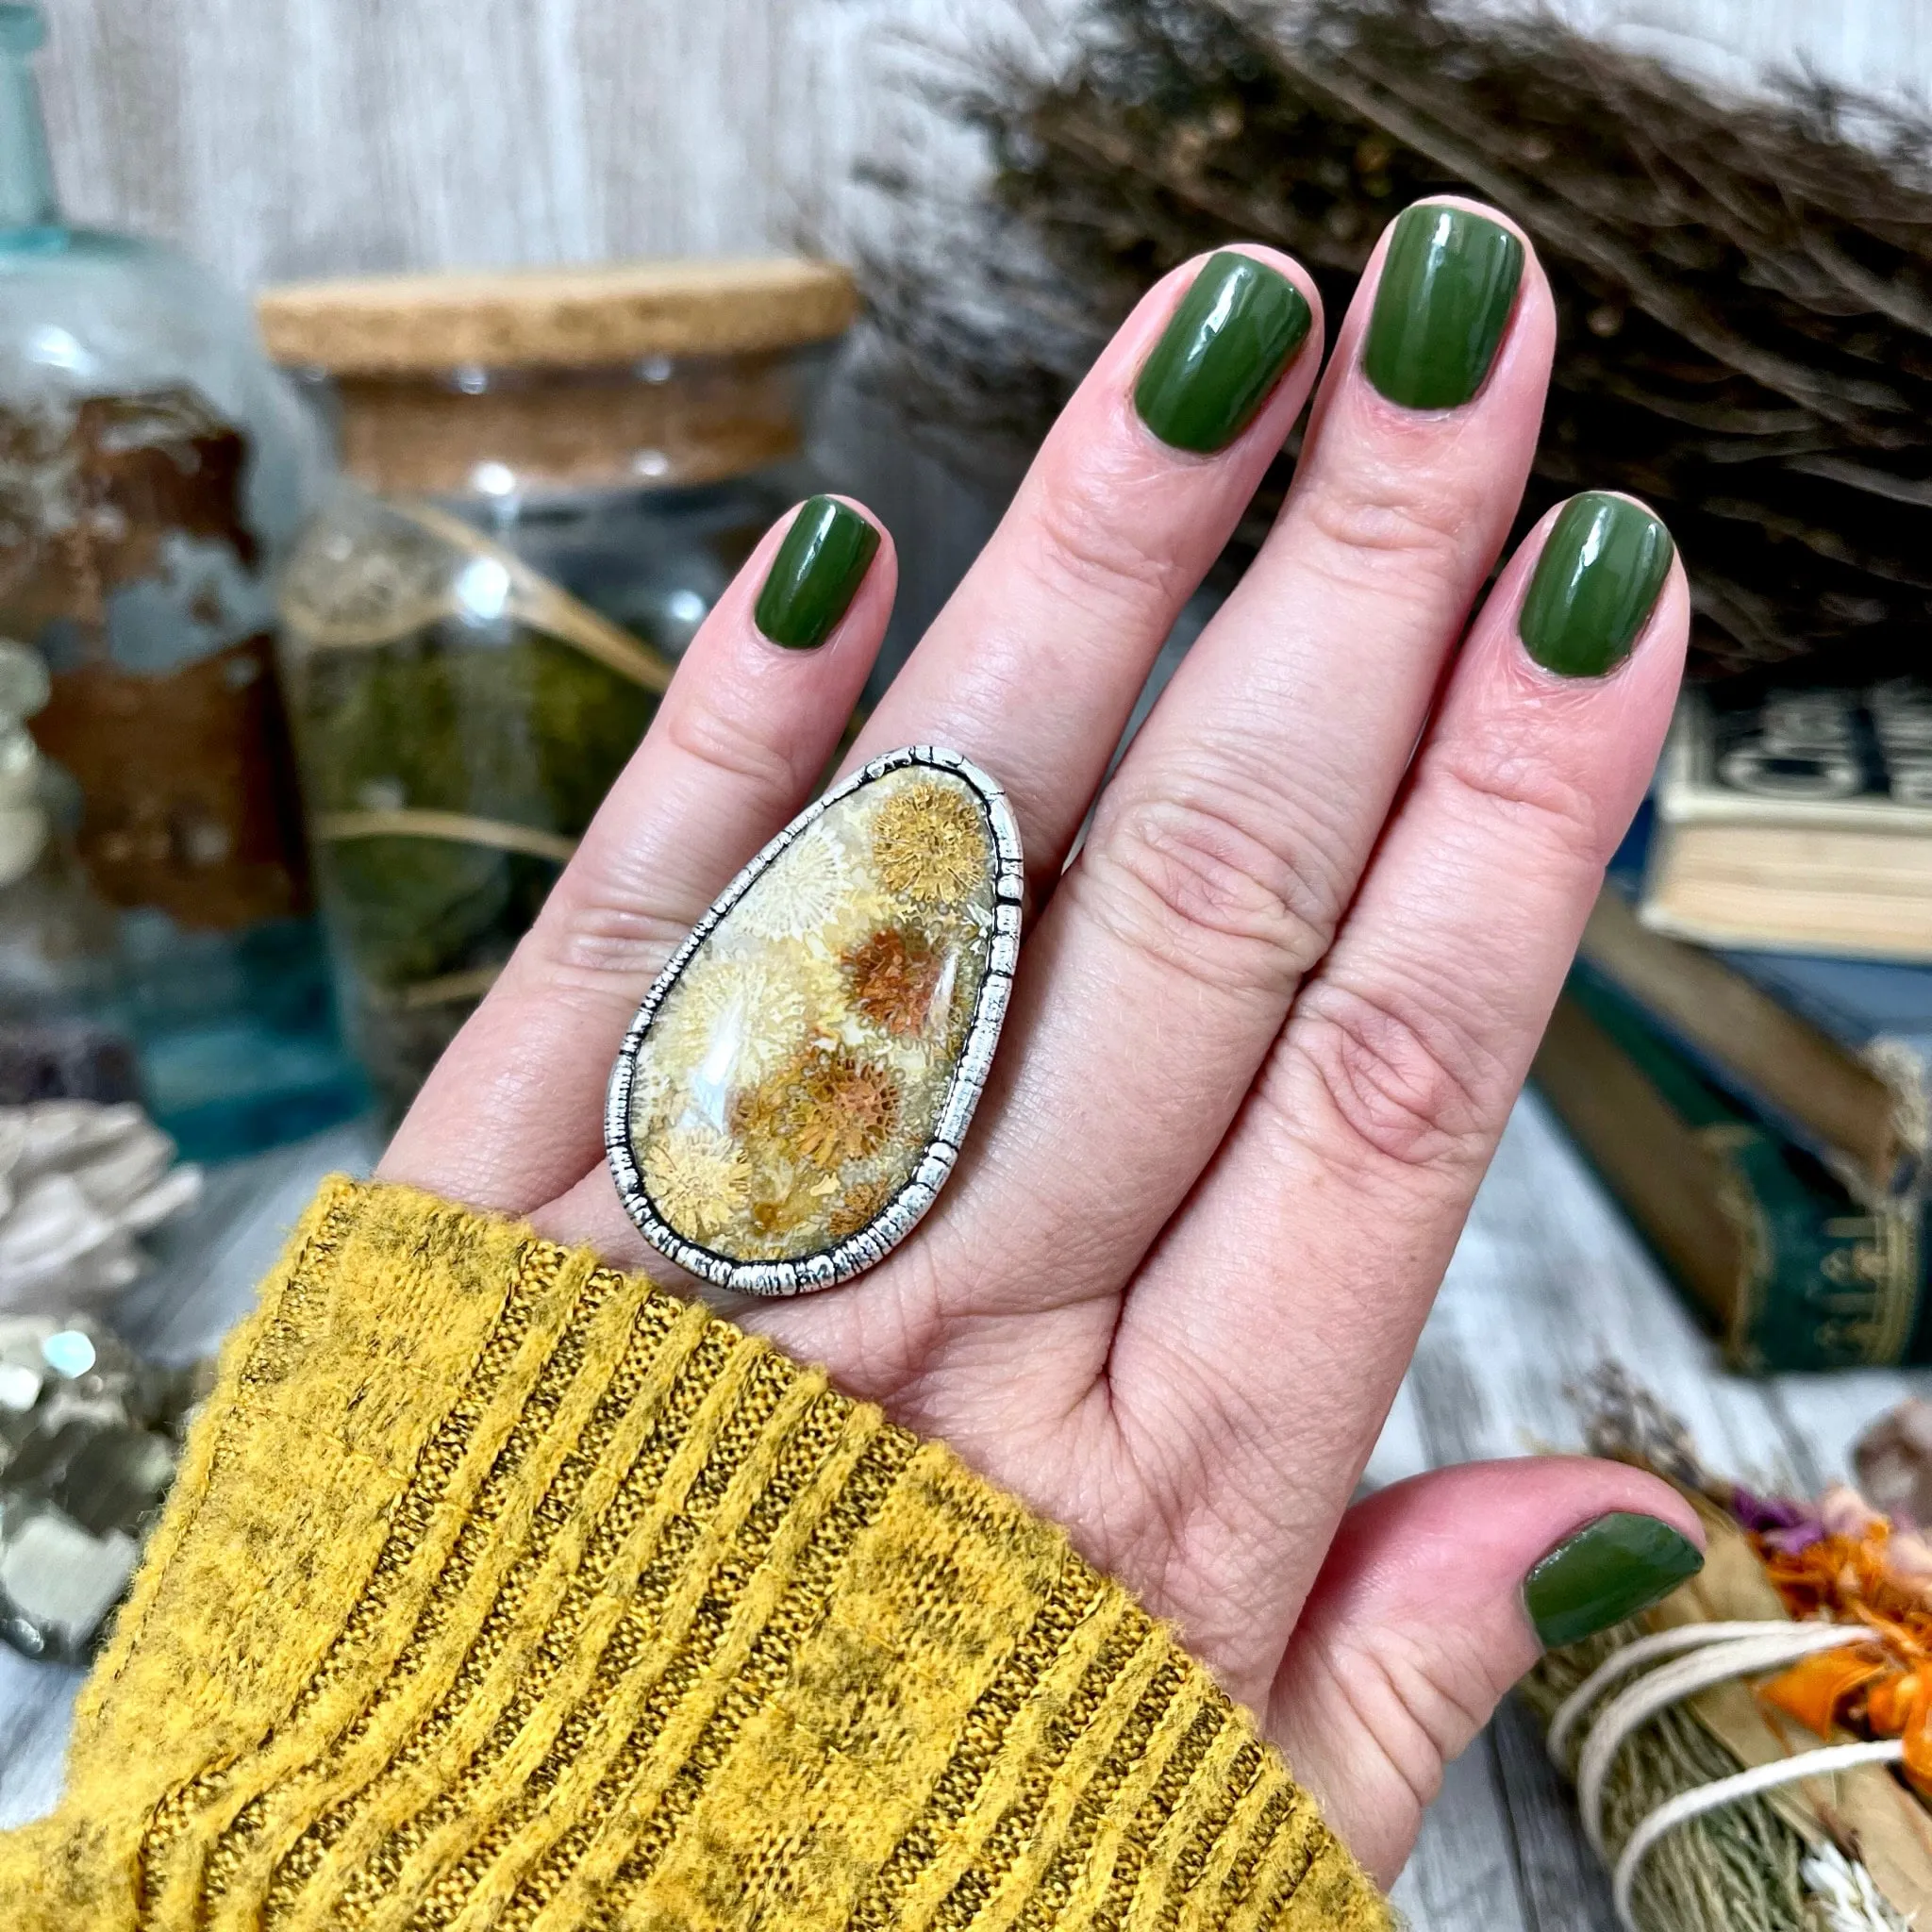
point(280, 138)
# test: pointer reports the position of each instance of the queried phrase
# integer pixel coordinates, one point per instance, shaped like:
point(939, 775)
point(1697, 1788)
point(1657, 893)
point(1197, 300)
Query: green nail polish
point(816, 574)
point(1609, 1569)
point(1237, 329)
point(1599, 575)
point(1448, 284)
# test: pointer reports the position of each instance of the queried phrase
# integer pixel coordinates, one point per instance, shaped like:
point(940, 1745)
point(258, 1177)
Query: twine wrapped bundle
point(1748, 1756)
point(1744, 294)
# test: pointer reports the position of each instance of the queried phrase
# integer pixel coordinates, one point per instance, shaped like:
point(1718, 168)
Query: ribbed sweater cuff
point(500, 1589)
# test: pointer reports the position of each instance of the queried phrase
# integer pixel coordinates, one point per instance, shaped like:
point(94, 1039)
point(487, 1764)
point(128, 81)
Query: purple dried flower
point(1765, 1514)
point(1796, 1539)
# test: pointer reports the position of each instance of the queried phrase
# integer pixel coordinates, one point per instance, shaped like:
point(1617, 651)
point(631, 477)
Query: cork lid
point(555, 318)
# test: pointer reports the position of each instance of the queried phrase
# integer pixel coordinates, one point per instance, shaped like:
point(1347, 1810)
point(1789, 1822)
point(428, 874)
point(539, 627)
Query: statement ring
point(796, 1086)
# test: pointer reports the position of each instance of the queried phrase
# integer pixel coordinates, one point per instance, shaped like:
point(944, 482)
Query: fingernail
point(1609, 1569)
point(1237, 329)
point(816, 574)
point(1448, 282)
point(1594, 584)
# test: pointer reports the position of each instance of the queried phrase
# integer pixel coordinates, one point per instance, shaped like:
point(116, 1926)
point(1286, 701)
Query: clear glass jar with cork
point(153, 471)
point(555, 474)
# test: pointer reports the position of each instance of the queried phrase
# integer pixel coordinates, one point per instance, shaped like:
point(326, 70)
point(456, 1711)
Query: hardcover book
point(1798, 820)
point(1789, 1271)
point(1835, 1054)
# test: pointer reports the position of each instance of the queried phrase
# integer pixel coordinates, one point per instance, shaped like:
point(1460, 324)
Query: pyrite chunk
point(89, 1439)
point(796, 1089)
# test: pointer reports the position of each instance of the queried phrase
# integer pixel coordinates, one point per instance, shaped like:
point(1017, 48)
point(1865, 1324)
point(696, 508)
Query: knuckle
point(1385, 513)
point(1083, 545)
point(612, 917)
point(1413, 1701)
point(1403, 1085)
point(1186, 875)
point(1544, 811)
point(600, 934)
point(736, 748)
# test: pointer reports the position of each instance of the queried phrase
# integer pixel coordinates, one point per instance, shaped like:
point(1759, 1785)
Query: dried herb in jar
point(125, 556)
point(460, 719)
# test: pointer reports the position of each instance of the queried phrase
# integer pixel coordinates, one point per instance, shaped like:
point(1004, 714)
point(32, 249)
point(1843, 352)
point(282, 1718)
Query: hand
point(1268, 1022)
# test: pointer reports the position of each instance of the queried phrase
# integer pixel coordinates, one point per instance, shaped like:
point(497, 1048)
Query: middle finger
point(1034, 664)
point(1228, 846)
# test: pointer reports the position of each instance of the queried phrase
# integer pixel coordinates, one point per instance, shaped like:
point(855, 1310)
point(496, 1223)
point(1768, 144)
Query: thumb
point(1437, 1595)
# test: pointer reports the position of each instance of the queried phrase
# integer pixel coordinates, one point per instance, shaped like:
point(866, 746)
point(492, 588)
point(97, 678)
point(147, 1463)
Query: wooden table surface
point(1547, 1284)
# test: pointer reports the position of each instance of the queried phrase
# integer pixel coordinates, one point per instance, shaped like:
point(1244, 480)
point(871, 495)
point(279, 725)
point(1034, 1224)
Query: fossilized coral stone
point(794, 1089)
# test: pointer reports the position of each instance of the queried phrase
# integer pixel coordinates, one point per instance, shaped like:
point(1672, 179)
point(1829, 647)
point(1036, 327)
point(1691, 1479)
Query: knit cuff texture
point(501, 1589)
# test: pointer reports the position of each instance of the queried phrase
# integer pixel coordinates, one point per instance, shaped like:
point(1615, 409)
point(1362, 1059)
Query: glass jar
point(556, 475)
point(57, 939)
point(153, 470)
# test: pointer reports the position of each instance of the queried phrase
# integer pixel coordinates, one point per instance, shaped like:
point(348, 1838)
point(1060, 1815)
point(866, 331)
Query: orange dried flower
point(1816, 1688)
point(894, 976)
point(1883, 1687)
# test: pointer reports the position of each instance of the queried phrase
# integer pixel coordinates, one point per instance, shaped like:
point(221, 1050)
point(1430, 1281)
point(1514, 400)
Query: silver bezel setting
point(872, 1242)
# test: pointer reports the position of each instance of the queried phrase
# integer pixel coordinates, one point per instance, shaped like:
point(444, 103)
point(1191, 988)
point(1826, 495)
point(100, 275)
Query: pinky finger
point(1383, 1098)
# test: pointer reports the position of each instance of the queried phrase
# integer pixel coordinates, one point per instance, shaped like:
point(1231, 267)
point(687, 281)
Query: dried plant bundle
point(1743, 291)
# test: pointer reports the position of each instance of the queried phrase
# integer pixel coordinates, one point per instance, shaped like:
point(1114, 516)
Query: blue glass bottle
point(153, 470)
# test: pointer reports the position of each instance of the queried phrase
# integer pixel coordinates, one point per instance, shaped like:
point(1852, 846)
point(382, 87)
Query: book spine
point(1791, 1272)
point(1712, 1070)
point(1775, 1061)
point(1821, 1284)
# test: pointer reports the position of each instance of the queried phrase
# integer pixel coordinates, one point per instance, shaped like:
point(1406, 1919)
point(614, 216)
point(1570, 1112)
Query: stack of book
point(1743, 1051)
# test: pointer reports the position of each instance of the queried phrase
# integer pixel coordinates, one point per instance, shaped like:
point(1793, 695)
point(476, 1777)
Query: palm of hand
point(1266, 1031)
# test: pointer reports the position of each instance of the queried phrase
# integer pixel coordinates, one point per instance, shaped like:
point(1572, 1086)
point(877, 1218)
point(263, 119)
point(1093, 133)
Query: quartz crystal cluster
point(79, 1184)
point(793, 1076)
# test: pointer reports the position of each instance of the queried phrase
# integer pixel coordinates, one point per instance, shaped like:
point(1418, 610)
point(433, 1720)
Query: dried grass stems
point(1734, 1870)
point(1744, 291)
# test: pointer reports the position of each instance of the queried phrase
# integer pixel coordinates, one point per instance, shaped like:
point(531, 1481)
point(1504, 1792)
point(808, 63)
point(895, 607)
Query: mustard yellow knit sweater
point(501, 1590)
